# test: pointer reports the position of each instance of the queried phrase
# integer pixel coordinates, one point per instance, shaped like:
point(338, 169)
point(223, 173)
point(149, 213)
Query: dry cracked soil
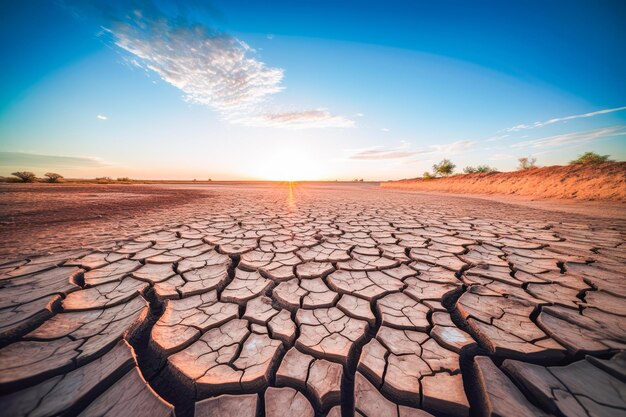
point(315, 300)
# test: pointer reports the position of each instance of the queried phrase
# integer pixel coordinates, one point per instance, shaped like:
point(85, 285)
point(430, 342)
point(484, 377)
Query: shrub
point(25, 176)
point(53, 177)
point(123, 179)
point(526, 163)
point(479, 168)
point(485, 168)
point(444, 168)
point(103, 180)
point(427, 175)
point(591, 158)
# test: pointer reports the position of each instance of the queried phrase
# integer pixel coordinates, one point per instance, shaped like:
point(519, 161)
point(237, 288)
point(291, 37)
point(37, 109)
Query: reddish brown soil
point(581, 182)
point(36, 218)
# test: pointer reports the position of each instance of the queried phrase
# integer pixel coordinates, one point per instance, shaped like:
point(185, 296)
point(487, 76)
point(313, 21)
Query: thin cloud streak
point(404, 151)
point(319, 118)
point(572, 138)
point(31, 160)
point(563, 119)
point(501, 157)
point(383, 154)
point(454, 147)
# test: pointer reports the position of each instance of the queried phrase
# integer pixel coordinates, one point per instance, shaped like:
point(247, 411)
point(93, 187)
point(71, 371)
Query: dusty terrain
point(310, 300)
point(606, 181)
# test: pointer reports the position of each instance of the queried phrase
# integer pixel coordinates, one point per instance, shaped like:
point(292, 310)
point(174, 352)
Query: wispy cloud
point(33, 161)
point(496, 138)
point(404, 151)
point(572, 137)
point(298, 119)
point(210, 68)
point(501, 157)
point(101, 117)
point(378, 154)
point(454, 147)
point(562, 119)
point(382, 153)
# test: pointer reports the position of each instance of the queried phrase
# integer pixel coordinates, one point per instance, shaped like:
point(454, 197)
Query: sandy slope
point(585, 182)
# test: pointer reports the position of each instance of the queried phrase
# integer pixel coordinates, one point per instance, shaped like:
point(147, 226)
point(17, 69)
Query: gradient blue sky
point(307, 89)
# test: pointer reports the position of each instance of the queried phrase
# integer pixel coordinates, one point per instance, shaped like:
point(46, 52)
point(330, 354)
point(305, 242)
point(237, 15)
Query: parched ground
point(603, 182)
point(311, 300)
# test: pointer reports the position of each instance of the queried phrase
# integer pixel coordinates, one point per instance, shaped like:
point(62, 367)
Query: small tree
point(52, 177)
point(526, 163)
point(591, 158)
point(444, 168)
point(25, 176)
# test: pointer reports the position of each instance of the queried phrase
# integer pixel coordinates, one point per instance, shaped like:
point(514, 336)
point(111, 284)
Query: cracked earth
point(322, 301)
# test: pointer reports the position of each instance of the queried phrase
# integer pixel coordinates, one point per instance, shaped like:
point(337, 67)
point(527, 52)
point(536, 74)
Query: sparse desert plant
point(123, 179)
point(25, 176)
point(526, 163)
point(104, 180)
point(444, 168)
point(591, 158)
point(479, 168)
point(53, 177)
point(427, 175)
point(485, 168)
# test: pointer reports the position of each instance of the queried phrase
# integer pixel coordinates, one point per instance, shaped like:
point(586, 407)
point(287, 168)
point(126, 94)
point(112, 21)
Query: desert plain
point(311, 299)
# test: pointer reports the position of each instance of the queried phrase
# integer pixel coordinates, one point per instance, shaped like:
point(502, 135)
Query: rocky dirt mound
point(605, 181)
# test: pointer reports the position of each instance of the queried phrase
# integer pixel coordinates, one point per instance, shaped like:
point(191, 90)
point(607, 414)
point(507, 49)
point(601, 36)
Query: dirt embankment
point(605, 181)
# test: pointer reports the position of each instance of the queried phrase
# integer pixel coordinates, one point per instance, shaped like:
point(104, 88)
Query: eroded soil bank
point(606, 182)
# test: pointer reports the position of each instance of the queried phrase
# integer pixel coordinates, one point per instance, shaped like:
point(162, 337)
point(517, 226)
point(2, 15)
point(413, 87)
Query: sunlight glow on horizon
point(287, 165)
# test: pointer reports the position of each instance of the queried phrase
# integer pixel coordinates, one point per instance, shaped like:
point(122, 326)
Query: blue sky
point(306, 89)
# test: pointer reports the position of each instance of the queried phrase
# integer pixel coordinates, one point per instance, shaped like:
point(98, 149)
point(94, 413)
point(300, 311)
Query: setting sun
point(287, 165)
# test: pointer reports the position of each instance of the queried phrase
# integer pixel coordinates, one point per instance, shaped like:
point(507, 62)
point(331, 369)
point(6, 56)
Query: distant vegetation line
point(444, 168)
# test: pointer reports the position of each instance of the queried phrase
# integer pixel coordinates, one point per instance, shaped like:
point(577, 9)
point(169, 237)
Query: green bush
point(444, 168)
point(591, 158)
point(479, 168)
